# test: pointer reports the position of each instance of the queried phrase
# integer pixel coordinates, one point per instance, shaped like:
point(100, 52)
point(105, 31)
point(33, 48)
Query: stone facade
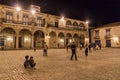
point(108, 35)
point(24, 30)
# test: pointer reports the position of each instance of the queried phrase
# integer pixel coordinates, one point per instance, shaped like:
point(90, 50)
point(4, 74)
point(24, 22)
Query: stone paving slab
point(99, 65)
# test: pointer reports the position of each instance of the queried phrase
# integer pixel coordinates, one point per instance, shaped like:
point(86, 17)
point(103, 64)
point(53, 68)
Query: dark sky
point(98, 12)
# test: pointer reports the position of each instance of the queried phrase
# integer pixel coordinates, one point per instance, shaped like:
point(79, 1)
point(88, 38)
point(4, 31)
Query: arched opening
point(25, 39)
point(52, 40)
point(82, 39)
point(8, 38)
point(38, 39)
point(75, 25)
point(82, 26)
point(76, 39)
point(68, 24)
point(61, 38)
point(68, 39)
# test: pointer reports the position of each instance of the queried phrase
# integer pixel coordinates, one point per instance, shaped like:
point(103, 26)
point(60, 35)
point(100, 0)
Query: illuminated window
point(9, 16)
point(97, 33)
point(25, 19)
point(107, 32)
point(39, 21)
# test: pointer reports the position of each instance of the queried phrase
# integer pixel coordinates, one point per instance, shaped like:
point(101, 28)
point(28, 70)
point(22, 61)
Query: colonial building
point(25, 29)
point(108, 35)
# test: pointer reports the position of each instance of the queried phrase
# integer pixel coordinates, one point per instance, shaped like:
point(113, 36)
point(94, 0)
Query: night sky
point(98, 12)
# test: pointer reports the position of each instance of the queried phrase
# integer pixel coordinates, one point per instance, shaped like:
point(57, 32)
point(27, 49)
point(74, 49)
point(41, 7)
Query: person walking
point(45, 50)
point(73, 49)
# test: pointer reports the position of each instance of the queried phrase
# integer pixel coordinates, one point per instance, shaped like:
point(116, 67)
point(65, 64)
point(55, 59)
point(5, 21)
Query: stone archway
point(39, 39)
point(52, 40)
point(82, 39)
point(9, 38)
point(25, 39)
point(68, 39)
point(76, 39)
point(61, 39)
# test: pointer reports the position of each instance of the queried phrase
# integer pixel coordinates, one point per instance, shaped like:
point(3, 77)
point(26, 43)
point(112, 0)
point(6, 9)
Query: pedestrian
point(73, 49)
point(31, 62)
point(86, 51)
point(26, 62)
point(45, 49)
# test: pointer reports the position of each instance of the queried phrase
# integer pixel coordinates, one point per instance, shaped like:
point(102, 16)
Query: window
point(97, 33)
point(81, 26)
point(43, 22)
point(108, 32)
point(25, 19)
point(75, 25)
point(39, 21)
point(56, 24)
point(68, 24)
point(9, 17)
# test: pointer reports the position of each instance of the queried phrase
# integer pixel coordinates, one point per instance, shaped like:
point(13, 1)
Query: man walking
point(73, 49)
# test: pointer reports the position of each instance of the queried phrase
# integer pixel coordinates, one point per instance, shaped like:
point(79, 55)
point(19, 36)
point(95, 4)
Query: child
point(31, 62)
point(26, 63)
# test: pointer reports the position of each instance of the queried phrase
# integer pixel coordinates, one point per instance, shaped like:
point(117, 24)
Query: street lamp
point(33, 11)
point(18, 8)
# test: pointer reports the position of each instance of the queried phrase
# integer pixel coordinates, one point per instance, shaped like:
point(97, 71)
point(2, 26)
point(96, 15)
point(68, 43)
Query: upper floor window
point(81, 26)
point(96, 33)
point(9, 16)
point(39, 21)
point(68, 24)
point(56, 24)
point(25, 19)
point(107, 32)
point(43, 22)
point(75, 25)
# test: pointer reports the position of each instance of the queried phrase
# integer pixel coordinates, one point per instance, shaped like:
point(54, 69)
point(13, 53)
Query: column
point(32, 41)
point(17, 36)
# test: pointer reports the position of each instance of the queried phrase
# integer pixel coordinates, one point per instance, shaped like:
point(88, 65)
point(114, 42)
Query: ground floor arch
point(82, 39)
point(68, 39)
point(39, 39)
point(76, 39)
point(61, 40)
point(25, 38)
point(52, 40)
point(8, 38)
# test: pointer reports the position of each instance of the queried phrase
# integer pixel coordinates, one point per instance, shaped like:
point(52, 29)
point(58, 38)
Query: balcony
point(3, 20)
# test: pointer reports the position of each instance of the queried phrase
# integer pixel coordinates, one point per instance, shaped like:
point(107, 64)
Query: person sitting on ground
point(31, 62)
point(26, 63)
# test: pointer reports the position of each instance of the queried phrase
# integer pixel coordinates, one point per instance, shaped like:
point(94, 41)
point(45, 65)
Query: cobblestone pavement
point(99, 65)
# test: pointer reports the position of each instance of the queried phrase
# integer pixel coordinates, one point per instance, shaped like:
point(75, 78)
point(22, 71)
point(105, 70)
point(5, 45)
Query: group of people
point(29, 62)
point(87, 48)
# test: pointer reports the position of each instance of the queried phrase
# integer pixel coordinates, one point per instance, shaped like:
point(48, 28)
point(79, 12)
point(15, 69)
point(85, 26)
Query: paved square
point(99, 65)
